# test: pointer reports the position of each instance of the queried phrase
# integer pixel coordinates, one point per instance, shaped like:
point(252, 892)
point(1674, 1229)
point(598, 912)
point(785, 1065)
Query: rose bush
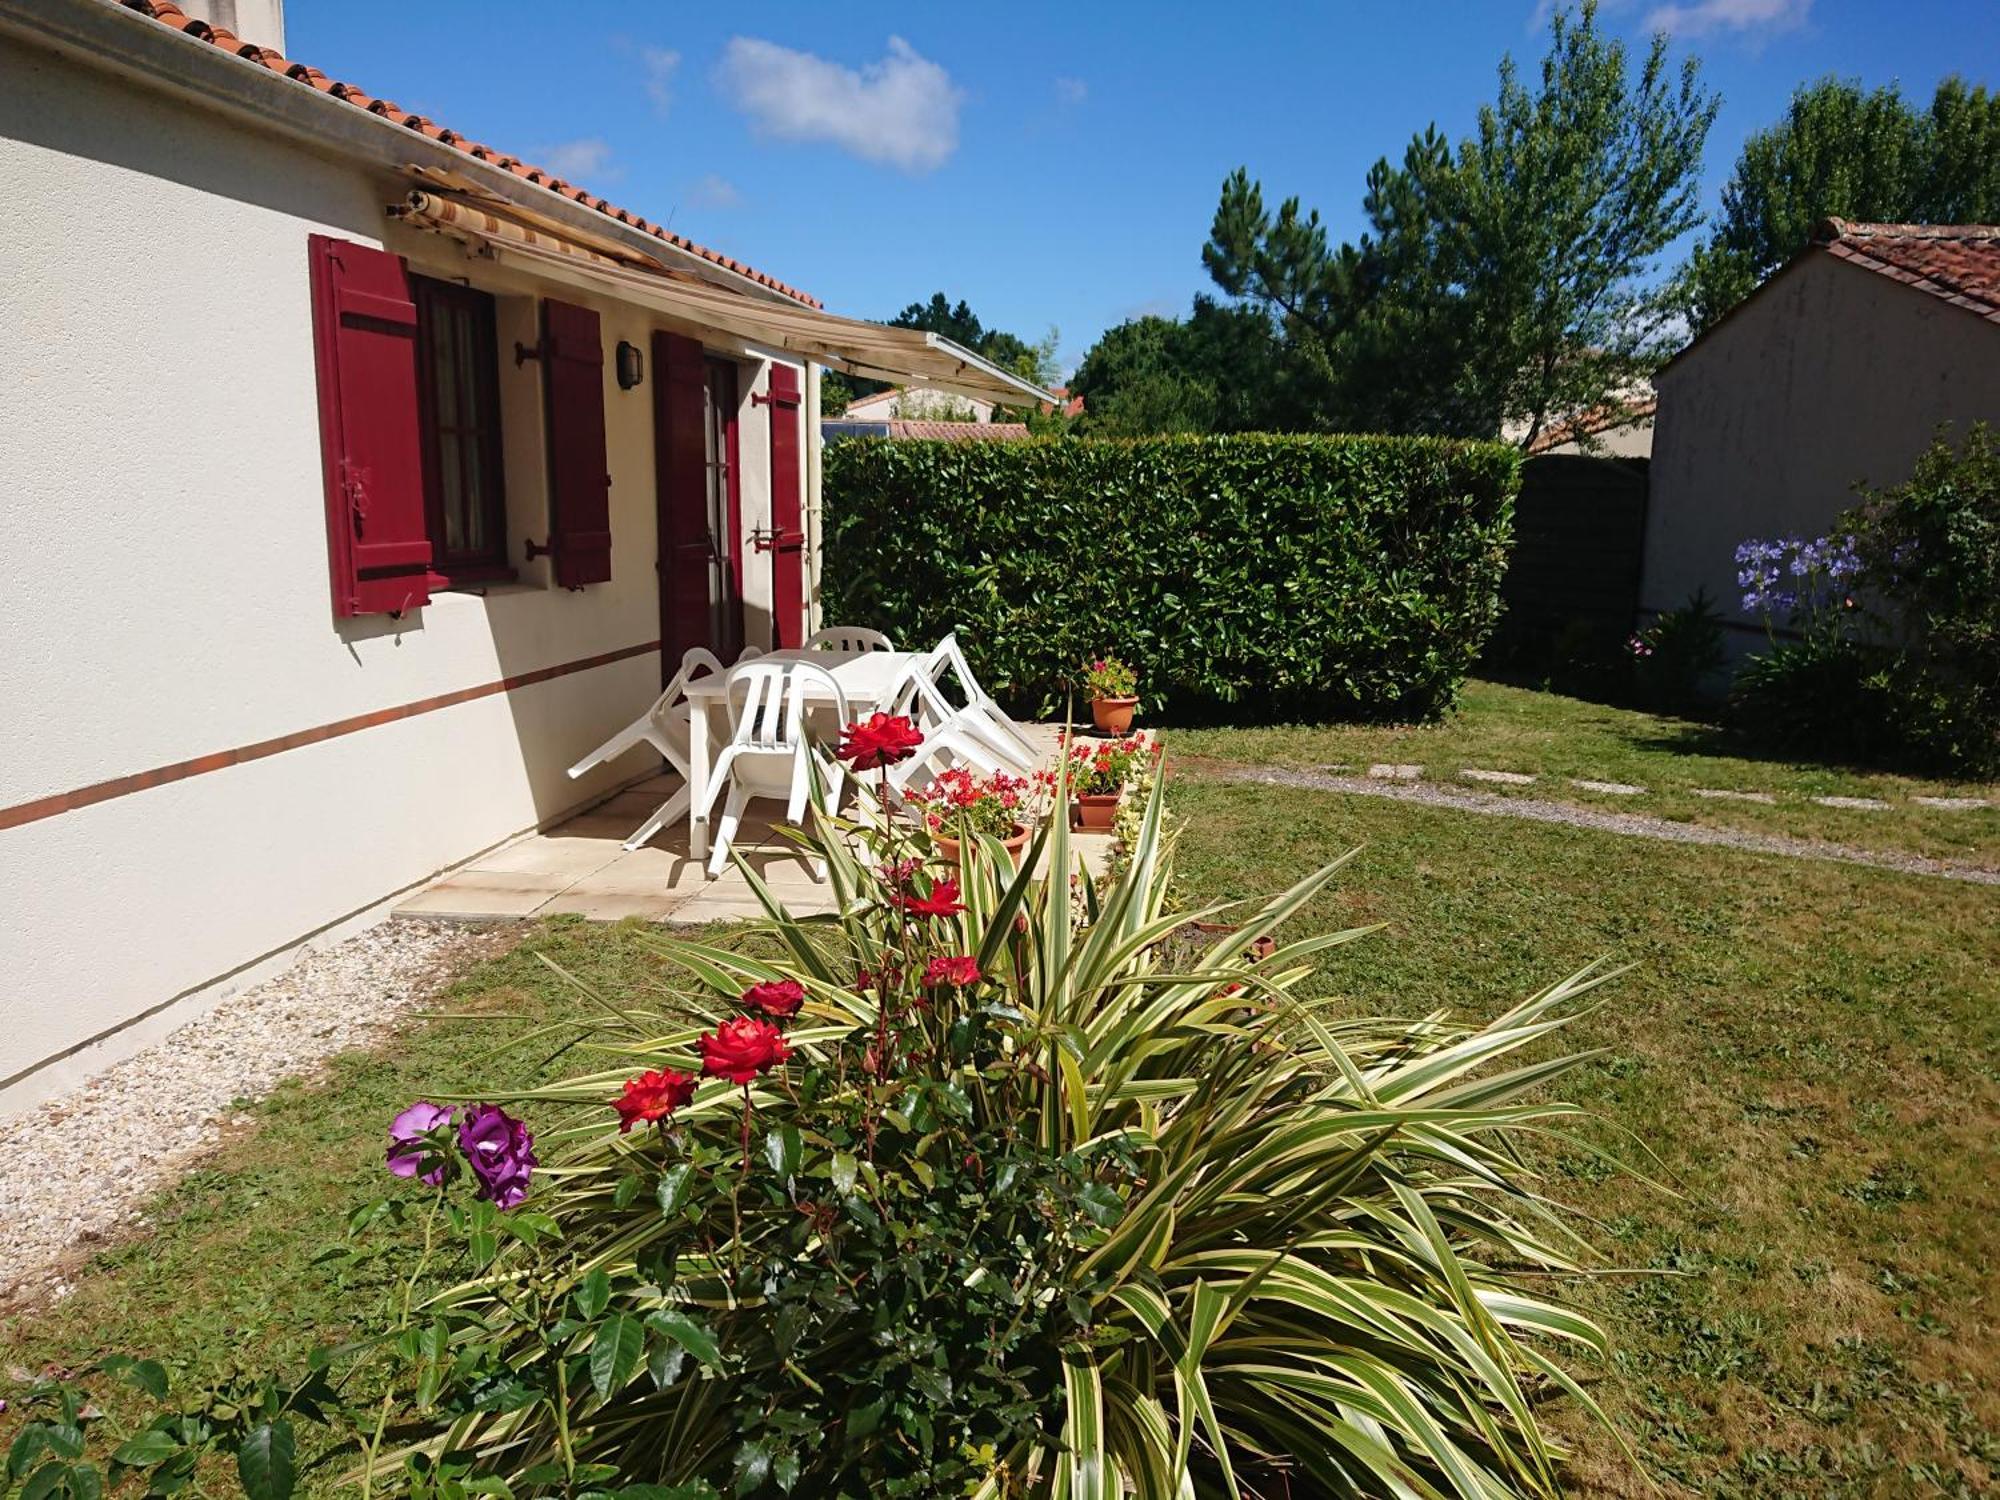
point(1003, 1207)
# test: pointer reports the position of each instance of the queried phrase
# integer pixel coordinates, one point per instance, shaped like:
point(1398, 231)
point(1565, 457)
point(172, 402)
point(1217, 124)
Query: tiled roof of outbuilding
point(1958, 262)
point(169, 14)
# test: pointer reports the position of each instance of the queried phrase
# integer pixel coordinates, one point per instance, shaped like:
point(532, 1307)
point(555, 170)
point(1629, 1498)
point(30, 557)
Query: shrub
point(1007, 1208)
point(1268, 577)
point(1673, 658)
point(1930, 551)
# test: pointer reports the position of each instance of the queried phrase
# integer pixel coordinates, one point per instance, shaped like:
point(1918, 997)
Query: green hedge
point(1251, 577)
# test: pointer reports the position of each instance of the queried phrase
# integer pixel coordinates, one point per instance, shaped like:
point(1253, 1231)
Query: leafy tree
point(1856, 154)
point(959, 323)
point(1504, 282)
point(1222, 369)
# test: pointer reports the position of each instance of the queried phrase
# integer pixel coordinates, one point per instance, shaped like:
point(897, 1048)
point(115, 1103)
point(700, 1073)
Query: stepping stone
point(1870, 804)
point(1954, 804)
point(1503, 778)
point(1721, 795)
point(1395, 773)
point(1609, 788)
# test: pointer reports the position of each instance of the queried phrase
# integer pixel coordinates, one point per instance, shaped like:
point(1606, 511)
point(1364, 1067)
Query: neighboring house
point(358, 478)
point(952, 432)
point(1837, 370)
point(1621, 428)
point(911, 403)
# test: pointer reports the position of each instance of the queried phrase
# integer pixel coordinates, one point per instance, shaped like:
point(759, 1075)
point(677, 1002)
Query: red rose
point(879, 740)
point(779, 999)
point(941, 902)
point(652, 1096)
point(742, 1048)
point(961, 972)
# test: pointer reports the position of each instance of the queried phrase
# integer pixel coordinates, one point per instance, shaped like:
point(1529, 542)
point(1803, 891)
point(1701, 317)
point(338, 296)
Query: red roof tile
point(959, 432)
point(1958, 262)
point(169, 14)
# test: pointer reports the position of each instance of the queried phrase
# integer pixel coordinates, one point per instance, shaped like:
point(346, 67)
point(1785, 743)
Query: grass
point(1554, 738)
point(1804, 1053)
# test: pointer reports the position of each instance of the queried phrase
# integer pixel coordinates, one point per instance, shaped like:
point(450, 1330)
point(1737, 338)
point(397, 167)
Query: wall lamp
point(631, 365)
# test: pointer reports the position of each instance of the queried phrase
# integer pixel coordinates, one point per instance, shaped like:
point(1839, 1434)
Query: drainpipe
point(814, 530)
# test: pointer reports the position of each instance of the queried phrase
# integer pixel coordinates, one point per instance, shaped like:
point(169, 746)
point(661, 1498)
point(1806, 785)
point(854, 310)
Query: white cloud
point(660, 64)
point(1072, 90)
point(1703, 17)
point(901, 111)
point(579, 161)
point(714, 192)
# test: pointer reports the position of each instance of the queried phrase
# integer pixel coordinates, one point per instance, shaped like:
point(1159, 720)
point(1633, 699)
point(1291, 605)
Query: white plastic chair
point(981, 716)
point(849, 640)
point(949, 738)
point(664, 726)
point(769, 753)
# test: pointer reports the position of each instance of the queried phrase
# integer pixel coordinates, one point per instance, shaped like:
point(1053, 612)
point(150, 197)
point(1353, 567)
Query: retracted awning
point(903, 356)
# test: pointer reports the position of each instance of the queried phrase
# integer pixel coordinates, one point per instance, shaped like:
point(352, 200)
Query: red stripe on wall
point(201, 765)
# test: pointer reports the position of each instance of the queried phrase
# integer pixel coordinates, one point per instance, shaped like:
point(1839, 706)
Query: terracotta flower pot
point(1097, 812)
point(1113, 715)
point(1014, 843)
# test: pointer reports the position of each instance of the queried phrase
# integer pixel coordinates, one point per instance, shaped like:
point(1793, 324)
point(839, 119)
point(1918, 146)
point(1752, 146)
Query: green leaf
point(752, 1466)
point(144, 1449)
point(265, 1461)
point(614, 1353)
point(784, 1148)
point(592, 1295)
point(675, 1185)
point(689, 1334)
point(842, 1170)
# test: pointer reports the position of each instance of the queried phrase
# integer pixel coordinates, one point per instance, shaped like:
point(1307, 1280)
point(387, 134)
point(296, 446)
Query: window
point(459, 416)
point(725, 606)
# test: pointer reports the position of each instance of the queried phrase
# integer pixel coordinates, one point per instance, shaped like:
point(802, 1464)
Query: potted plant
point(1098, 771)
point(959, 803)
point(1114, 694)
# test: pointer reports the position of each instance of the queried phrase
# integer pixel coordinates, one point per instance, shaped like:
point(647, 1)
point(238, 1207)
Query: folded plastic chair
point(950, 737)
point(664, 726)
point(769, 752)
point(982, 716)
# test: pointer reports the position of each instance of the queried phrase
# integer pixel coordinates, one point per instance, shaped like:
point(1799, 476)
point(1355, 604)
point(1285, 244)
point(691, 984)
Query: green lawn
point(1554, 738)
point(1806, 1052)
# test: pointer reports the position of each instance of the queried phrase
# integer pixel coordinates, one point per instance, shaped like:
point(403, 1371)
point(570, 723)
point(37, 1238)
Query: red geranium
point(652, 1096)
point(941, 902)
point(960, 972)
point(879, 740)
point(779, 999)
point(742, 1048)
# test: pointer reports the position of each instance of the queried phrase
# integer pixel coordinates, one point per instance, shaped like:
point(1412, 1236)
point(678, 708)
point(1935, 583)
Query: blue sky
point(1055, 165)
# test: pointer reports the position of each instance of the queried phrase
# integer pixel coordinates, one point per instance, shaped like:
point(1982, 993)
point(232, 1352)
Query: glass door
point(724, 513)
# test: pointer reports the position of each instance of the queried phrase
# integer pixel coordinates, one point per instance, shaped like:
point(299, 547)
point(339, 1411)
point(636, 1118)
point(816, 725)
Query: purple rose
point(501, 1151)
point(408, 1147)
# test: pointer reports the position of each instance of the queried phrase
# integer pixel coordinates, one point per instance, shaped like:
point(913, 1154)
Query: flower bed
point(958, 1192)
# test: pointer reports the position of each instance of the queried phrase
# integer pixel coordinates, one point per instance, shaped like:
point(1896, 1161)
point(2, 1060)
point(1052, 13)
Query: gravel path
point(77, 1170)
point(1632, 825)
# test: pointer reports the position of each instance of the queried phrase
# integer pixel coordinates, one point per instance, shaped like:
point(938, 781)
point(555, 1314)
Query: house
point(917, 403)
point(359, 476)
point(1838, 370)
point(1621, 428)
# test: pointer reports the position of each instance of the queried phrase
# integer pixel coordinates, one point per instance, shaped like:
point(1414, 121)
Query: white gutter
point(105, 35)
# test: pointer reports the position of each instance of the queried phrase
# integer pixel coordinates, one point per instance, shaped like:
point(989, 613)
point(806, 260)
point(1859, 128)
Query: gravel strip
point(77, 1170)
point(1632, 825)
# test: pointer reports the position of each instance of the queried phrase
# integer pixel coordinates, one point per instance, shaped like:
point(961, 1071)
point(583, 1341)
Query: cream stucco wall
point(1829, 376)
point(164, 589)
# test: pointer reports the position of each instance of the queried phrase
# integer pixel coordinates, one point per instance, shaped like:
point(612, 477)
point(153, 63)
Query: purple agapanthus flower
point(501, 1151)
point(407, 1147)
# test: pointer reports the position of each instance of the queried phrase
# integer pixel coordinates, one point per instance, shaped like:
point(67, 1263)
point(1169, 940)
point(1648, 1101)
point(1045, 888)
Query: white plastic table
point(868, 681)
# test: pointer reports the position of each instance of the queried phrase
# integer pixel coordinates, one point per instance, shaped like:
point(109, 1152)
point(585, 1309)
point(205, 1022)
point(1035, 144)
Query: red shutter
point(680, 388)
point(579, 477)
point(788, 541)
point(365, 344)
